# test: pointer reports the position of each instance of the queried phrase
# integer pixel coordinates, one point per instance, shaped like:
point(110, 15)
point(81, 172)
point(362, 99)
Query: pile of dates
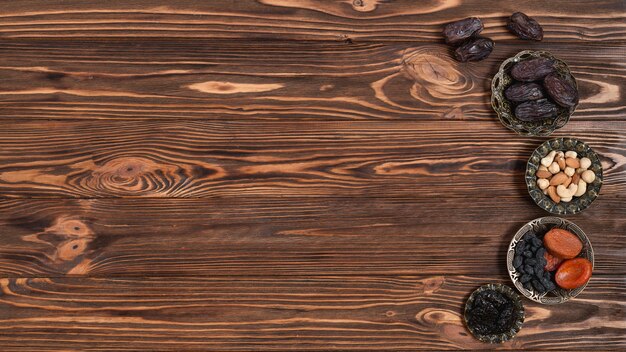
point(464, 35)
point(539, 90)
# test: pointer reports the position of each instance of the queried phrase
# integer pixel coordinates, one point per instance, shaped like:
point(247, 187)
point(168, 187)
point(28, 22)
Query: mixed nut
point(563, 175)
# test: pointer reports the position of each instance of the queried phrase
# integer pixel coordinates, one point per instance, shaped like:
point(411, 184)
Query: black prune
point(524, 27)
point(560, 90)
point(520, 92)
point(536, 110)
point(533, 69)
point(457, 32)
point(517, 261)
point(491, 312)
point(474, 50)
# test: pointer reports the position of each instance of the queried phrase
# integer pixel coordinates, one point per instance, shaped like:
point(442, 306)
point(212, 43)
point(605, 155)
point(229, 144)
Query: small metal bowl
point(504, 109)
point(519, 313)
point(577, 204)
point(540, 226)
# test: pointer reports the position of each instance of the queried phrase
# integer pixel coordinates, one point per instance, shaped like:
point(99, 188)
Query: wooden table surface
point(285, 174)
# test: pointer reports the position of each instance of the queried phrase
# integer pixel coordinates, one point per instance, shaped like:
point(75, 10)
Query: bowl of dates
point(564, 176)
point(550, 260)
point(494, 313)
point(534, 93)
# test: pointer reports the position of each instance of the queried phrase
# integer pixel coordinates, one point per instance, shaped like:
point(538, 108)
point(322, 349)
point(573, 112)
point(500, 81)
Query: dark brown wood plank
point(131, 79)
point(301, 159)
point(276, 236)
point(336, 20)
point(295, 313)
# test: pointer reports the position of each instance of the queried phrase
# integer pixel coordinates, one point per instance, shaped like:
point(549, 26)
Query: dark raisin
point(531, 261)
point(519, 92)
point(519, 247)
point(540, 253)
point(537, 242)
point(538, 286)
point(517, 261)
point(525, 278)
point(536, 110)
point(528, 254)
point(533, 69)
point(457, 32)
point(560, 90)
point(538, 269)
point(528, 286)
point(529, 270)
point(524, 27)
point(474, 50)
point(550, 286)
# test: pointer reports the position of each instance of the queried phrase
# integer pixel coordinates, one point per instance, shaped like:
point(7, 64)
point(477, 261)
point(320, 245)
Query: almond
point(575, 178)
point(566, 183)
point(552, 193)
point(543, 174)
point(558, 179)
point(572, 162)
point(559, 160)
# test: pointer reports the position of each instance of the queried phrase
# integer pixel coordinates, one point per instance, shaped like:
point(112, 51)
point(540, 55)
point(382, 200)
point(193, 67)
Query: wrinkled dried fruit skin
point(532, 70)
point(474, 50)
point(520, 92)
point(560, 90)
point(457, 32)
point(535, 110)
point(525, 27)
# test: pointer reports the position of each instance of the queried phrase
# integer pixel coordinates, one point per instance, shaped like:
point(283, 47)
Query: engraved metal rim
point(519, 309)
point(502, 107)
point(579, 203)
point(540, 224)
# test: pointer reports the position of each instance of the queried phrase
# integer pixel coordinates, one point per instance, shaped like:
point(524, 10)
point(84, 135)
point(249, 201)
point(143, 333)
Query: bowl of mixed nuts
point(534, 93)
point(564, 176)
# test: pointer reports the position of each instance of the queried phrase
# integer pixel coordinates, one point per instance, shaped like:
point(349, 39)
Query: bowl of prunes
point(534, 93)
point(494, 313)
point(550, 260)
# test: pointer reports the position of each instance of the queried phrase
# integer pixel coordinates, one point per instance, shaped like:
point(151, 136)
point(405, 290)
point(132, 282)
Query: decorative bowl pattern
point(519, 311)
point(504, 109)
point(577, 204)
point(541, 226)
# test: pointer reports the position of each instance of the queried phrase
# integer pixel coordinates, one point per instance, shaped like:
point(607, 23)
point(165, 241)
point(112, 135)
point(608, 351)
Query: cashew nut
point(570, 171)
point(548, 159)
point(541, 167)
point(554, 168)
point(588, 176)
point(571, 154)
point(585, 163)
point(566, 192)
point(582, 188)
point(543, 183)
point(566, 199)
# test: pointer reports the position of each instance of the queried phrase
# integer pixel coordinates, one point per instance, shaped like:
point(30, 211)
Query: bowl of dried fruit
point(550, 260)
point(494, 313)
point(564, 176)
point(534, 93)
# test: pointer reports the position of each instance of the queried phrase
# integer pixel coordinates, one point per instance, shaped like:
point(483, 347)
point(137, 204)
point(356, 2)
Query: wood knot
point(364, 5)
point(433, 284)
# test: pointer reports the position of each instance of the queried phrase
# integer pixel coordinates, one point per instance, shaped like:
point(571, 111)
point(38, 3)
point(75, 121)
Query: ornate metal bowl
point(519, 313)
point(540, 226)
point(504, 109)
point(577, 204)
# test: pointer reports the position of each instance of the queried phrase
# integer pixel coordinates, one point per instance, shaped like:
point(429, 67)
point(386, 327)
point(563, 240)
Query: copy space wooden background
point(284, 174)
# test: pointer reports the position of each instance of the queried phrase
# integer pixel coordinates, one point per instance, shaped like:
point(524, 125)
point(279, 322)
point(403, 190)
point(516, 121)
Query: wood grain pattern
point(338, 20)
point(304, 159)
point(295, 313)
point(279, 80)
point(237, 236)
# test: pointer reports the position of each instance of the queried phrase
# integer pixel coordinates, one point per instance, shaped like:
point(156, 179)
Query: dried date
point(456, 33)
point(474, 50)
point(560, 90)
point(533, 69)
point(525, 27)
point(535, 110)
point(520, 92)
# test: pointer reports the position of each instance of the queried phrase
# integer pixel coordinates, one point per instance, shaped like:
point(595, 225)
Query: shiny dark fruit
point(560, 90)
point(517, 261)
point(533, 69)
point(474, 50)
point(535, 110)
point(491, 312)
point(524, 27)
point(456, 33)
